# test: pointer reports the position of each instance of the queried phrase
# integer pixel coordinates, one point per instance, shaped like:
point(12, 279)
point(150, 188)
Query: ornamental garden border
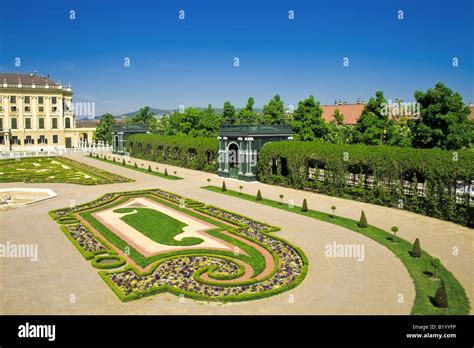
point(200, 274)
point(459, 302)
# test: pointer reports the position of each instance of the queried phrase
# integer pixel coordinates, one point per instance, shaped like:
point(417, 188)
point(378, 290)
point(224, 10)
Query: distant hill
point(169, 111)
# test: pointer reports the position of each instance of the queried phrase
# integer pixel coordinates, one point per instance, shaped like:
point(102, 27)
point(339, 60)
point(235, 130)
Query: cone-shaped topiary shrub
point(223, 189)
point(441, 297)
point(149, 168)
point(304, 207)
point(135, 165)
point(259, 196)
point(166, 172)
point(123, 161)
point(416, 251)
point(363, 220)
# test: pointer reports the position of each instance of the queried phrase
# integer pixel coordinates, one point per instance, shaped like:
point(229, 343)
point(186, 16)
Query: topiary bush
point(166, 172)
point(223, 189)
point(259, 196)
point(363, 220)
point(416, 250)
point(149, 168)
point(441, 297)
point(304, 207)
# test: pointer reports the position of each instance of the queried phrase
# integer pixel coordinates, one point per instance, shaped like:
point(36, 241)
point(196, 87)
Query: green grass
point(157, 226)
point(139, 169)
point(54, 170)
point(419, 268)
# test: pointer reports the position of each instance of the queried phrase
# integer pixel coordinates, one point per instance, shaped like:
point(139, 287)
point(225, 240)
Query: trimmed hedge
point(195, 153)
point(118, 261)
point(288, 164)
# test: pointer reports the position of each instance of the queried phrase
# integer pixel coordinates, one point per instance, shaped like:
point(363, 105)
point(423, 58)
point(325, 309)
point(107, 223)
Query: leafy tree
point(339, 133)
point(104, 128)
point(208, 123)
point(363, 220)
point(308, 123)
point(228, 114)
point(416, 251)
point(338, 117)
point(373, 125)
point(443, 121)
point(247, 115)
point(274, 111)
point(143, 116)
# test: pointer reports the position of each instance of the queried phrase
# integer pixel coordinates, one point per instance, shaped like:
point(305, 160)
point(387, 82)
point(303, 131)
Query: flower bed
point(182, 272)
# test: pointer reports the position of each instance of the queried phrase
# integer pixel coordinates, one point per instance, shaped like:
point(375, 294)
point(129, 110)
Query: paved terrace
point(332, 286)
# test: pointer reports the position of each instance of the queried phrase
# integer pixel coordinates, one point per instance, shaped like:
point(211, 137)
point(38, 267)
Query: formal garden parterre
point(428, 274)
point(242, 261)
point(55, 170)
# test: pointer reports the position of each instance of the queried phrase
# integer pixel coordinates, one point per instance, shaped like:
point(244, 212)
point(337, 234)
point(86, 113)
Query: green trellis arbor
point(239, 147)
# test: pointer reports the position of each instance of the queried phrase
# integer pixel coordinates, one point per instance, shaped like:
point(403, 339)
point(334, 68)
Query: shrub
point(304, 207)
point(166, 172)
point(198, 153)
point(135, 165)
point(259, 196)
point(416, 251)
point(123, 162)
point(208, 180)
point(241, 188)
point(333, 208)
point(149, 168)
point(223, 189)
point(175, 172)
point(281, 198)
point(441, 297)
point(379, 163)
point(113, 159)
point(394, 229)
point(363, 220)
point(435, 263)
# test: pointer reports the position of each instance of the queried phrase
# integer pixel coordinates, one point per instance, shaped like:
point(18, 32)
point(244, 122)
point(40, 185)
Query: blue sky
point(190, 62)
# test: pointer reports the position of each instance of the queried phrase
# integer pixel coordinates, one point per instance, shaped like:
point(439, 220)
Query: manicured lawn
point(157, 226)
point(139, 169)
point(54, 170)
point(419, 268)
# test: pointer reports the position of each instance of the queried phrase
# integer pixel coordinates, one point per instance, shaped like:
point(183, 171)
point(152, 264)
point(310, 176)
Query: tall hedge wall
point(195, 153)
point(393, 171)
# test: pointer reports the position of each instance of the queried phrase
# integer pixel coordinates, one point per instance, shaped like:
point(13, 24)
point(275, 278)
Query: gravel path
point(62, 282)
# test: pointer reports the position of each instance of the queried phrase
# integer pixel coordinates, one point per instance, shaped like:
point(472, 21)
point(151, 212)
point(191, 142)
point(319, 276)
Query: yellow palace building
point(37, 114)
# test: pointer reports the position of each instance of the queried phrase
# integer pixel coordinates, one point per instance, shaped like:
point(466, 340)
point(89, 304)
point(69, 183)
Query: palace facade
point(37, 114)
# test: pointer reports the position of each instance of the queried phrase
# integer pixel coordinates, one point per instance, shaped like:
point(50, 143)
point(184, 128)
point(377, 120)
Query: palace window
point(54, 100)
point(40, 100)
point(27, 123)
point(42, 139)
point(54, 122)
point(12, 99)
point(14, 122)
point(41, 123)
point(67, 123)
point(40, 108)
point(1, 123)
point(15, 140)
point(13, 108)
point(55, 139)
point(27, 99)
point(28, 140)
point(27, 109)
point(54, 108)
